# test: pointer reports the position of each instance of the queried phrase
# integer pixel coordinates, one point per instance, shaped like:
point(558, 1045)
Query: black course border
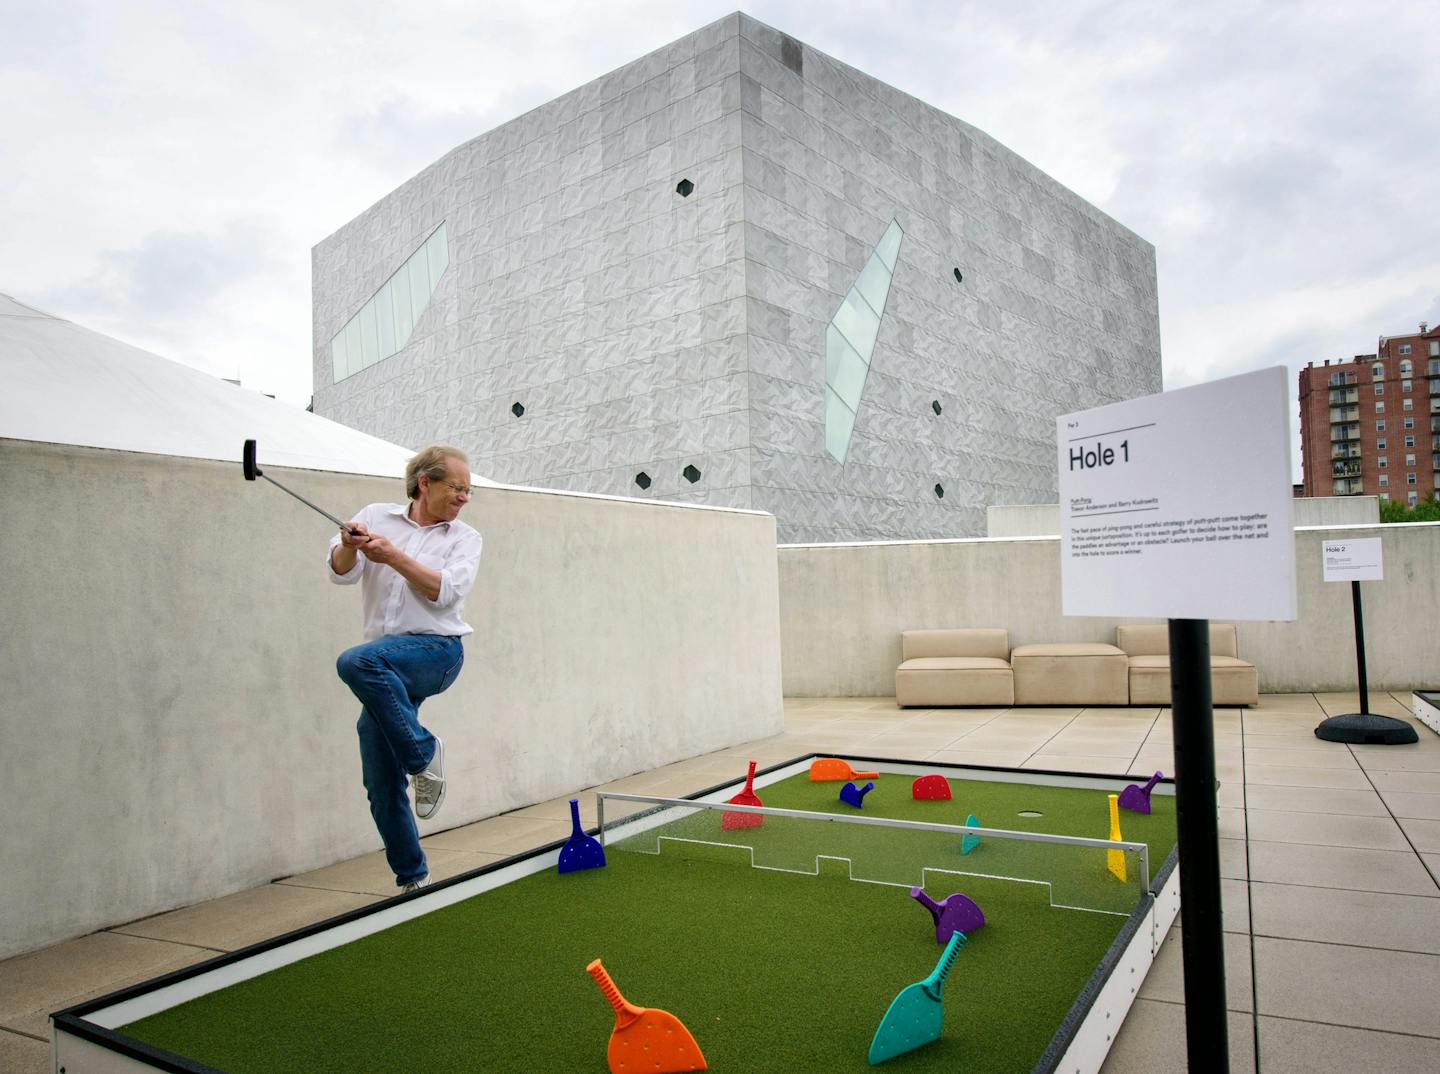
point(72, 1019)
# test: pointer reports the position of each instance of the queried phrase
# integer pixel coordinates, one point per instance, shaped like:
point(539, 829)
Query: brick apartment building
point(1370, 425)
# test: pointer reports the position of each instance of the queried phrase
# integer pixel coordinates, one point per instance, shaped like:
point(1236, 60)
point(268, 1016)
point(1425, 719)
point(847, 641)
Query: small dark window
point(792, 55)
point(518, 410)
point(642, 479)
point(959, 276)
point(939, 491)
point(684, 188)
point(935, 406)
point(691, 474)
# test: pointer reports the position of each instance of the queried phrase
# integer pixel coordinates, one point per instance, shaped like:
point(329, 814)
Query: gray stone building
point(738, 272)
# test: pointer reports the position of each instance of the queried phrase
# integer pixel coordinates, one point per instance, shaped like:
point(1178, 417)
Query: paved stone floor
point(1330, 856)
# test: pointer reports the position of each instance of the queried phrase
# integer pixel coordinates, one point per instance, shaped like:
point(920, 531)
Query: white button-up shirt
point(391, 604)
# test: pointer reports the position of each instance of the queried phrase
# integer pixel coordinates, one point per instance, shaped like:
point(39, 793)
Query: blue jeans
point(391, 676)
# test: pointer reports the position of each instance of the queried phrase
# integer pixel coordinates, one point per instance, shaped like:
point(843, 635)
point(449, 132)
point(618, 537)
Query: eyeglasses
point(463, 490)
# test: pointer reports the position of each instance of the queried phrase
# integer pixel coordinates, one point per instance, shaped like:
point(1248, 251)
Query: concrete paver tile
point(507, 834)
point(1303, 703)
point(1363, 803)
point(1399, 758)
point(1348, 986)
point(1336, 756)
point(1266, 775)
point(1315, 1048)
point(1066, 762)
point(1381, 704)
point(1326, 829)
point(1166, 979)
point(24, 1055)
point(1413, 782)
point(1412, 806)
point(1300, 740)
point(1232, 822)
point(1355, 918)
point(1152, 1040)
point(370, 875)
point(34, 985)
point(988, 758)
point(911, 742)
point(1424, 835)
point(1233, 862)
point(1235, 906)
point(247, 917)
point(1094, 745)
point(1339, 867)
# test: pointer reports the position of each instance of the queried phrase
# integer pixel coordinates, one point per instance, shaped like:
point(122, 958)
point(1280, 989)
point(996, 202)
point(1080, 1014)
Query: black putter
point(247, 460)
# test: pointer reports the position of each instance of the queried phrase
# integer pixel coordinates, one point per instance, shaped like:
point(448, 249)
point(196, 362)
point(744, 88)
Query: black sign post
point(1364, 727)
point(1201, 932)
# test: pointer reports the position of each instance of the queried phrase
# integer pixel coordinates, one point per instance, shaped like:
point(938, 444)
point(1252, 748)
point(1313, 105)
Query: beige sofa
point(946, 668)
point(1147, 648)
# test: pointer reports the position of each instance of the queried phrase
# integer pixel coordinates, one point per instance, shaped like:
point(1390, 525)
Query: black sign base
point(1366, 729)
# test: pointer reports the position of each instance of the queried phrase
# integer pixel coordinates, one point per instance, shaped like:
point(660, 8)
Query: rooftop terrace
point(1330, 857)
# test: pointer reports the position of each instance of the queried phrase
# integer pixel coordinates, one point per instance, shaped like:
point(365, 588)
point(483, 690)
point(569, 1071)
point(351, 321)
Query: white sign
point(1179, 505)
point(1354, 561)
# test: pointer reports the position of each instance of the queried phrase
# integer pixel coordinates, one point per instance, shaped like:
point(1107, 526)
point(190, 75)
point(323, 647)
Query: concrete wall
point(1043, 519)
point(842, 608)
point(172, 726)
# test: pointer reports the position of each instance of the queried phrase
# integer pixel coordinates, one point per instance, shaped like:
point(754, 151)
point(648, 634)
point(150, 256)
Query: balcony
point(1435, 461)
point(1345, 451)
point(1350, 486)
point(1344, 413)
point(1346, 469)
point(1341, 433)
point(1344, 395)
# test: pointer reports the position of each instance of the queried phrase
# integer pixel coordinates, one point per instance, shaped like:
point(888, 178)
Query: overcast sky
point(166, 167)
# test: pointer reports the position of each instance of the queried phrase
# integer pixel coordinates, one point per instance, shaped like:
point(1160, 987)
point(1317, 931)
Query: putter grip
point(952, 950)
point(918, 894)
point(607, 987)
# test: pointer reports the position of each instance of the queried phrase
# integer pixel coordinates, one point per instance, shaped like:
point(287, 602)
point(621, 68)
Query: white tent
point(64, 384)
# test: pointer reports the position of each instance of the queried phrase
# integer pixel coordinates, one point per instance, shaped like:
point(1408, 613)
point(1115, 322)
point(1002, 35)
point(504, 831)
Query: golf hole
point(1029, 813)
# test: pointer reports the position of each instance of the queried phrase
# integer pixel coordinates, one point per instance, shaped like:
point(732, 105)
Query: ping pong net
point(1077, 873)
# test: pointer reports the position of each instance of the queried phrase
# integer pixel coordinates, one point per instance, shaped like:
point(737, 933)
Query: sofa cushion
point(989, 683)
point(992, 643)
point(1077, 673)
point(1232, 681)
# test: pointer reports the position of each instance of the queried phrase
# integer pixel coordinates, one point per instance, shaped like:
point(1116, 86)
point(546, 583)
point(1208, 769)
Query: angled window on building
point(385, 323)
point(850, 341)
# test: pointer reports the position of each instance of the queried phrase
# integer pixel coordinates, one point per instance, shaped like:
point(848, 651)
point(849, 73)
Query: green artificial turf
point(770, 971)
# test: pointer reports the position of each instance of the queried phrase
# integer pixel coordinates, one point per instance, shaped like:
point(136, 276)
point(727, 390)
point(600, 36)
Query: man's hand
point(424, 580)
point(357, 541)
point(342, 559)
point(379, 550)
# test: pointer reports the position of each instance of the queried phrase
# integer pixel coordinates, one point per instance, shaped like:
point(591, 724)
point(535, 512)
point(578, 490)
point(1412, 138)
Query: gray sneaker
point(430, 784)
point(416, 885)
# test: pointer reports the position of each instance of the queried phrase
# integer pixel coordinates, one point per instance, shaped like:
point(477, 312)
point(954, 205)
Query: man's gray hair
point(431, 463)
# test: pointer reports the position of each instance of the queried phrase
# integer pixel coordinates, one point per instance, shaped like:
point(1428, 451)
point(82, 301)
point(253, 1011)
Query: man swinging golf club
point(415, 563)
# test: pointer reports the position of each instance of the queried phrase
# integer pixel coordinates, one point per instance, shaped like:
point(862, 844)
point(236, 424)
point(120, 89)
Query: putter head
point(247, 460)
